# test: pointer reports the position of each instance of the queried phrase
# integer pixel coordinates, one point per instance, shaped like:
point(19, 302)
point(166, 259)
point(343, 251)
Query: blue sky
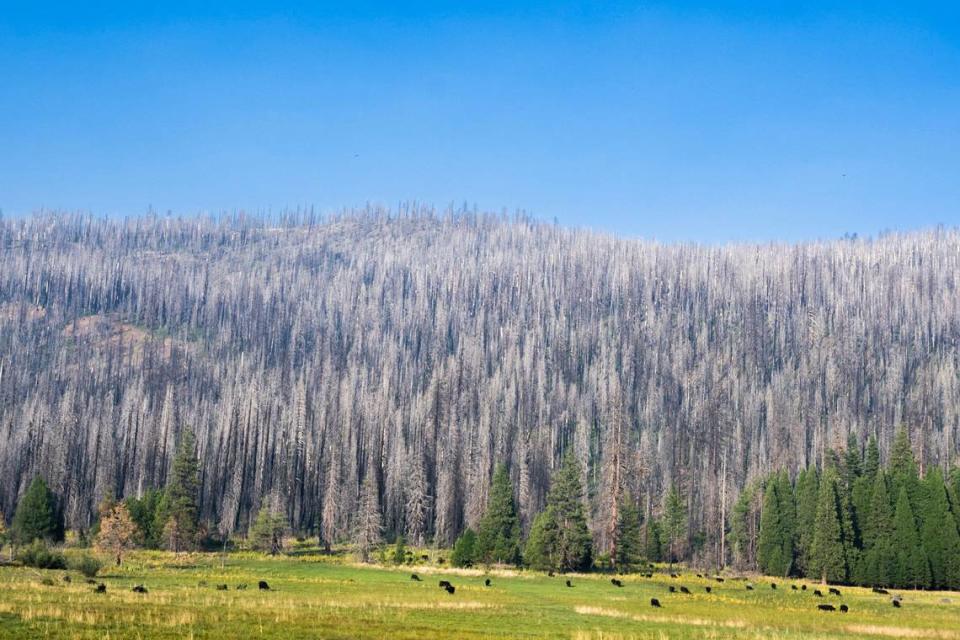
point(677, 121)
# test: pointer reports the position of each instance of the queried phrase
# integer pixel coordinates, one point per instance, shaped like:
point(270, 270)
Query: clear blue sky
point(679, 121)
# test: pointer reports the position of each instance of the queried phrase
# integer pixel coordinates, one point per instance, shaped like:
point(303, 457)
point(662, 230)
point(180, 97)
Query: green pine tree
point(36, 516)
point(267, 531)
point(541, 550)
point(879, 555)
point(574, 545)
point(903, 469)
point(143, 512)
point(498, 532)
point(828, 559)
point(399, 551)
point(770, 545)
point(807, 490)
point(674, 522)
point(938, 533)
point(653, 540)
point(180, 512)
point(629, 543)
point(912, 569)
point(464, 549)
point(871, 461)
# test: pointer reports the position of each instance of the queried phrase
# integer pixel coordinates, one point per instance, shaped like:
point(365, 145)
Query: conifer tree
point(871, 461)
point(674, 522)
point(828, 560)
point(266, 532)
point(653, 540)
point(807, 491)
point(36, 516)
point(912, 568)
point(770, 545)
point(464, 549)
point(939, 536)
point(903, 469)
point(629, 544)
point(574, 547)
point(498, 532)
point(879, 556)
point(182, 496)
point(540, 551)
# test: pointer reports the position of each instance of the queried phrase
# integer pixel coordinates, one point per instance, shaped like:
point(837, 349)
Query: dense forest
point(392, 360)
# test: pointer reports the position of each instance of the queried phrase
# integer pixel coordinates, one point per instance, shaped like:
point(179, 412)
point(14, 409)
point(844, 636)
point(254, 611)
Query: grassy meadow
point(316, 596)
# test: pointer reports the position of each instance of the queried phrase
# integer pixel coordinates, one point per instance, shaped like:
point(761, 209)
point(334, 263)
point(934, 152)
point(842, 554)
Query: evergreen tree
point(182, 496)
point(852, 462)
point(827, 555)
point(808, 487)
point(574, 546)
point(653, 540)
point(879, 555)
point(770, 545)
point(939, 536)
point(541, 550)
point(464, 549)
point(36, 516)
point(911, 567)
point(903, 469)
point(400, 551)
point(629, 543)
point(143, 512)
point(498, 532)
point(267, 531)
point(871, 461)
point(674, 522)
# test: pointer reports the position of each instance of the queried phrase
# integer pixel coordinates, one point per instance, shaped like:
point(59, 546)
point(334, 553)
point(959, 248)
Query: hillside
point(422, 349)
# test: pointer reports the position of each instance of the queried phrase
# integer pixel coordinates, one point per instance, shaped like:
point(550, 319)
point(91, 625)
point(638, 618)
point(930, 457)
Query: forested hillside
point(412, 352)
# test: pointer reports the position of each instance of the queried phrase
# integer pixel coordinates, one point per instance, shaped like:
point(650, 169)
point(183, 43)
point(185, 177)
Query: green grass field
point(313, 596)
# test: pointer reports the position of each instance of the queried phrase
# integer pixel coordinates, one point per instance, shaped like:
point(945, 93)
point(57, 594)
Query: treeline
point(387, 362)
point(856, 521)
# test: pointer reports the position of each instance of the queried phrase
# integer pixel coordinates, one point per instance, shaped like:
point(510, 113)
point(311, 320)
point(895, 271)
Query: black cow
point(444, 584)
point(881, 591)
point(672, 588)
point(415, 577)
point(450, 589)
point(569, 584)
point(718, 579)
point(803, 587)
point(91, 581)
point(424, 557)
point(709, 589)
point(550, 574)
point(654, 602)
point(844, 608)
point(826, 607)
point(684, 590)
point(834, 592)
point(817, 593)
point(263, 586)
point(699, 575)
point(101, 588)
point(794, 587)
point(616, 582)
point(221, 587)
point(773, 585)
point(66, 578)
point(749, 587)
point(486, 582)
point(895, 603)
point(139, 589)
point(673, 575)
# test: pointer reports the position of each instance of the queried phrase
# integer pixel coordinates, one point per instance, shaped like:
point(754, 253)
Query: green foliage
point(879, 557)
point(464, 549)
point(912, 568)
point(574, 546)
point(498, 532)
point(653, 540)
point(179, 511)
point(939, 535)
point(827, 555)
point(807, 490)
point(38, 555)
point(629, 545)
point(88, 565)
point(775, 548)
point(674, 522)
point(36, 516)
point(399, 551)
point(144, 513)
point(744, 527)
point(267, 531)
point(540, 551)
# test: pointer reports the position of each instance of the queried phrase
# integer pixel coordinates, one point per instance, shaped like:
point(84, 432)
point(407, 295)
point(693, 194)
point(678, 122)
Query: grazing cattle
point(844, 608)
point(718, 579)
point(101, 588)
point(699, 575)
point(486, 582)
point(444, 584)
point(654, 602)
point(684, 590)
point(139, 589)
point(834, 592)
point(825, 607)
point(895, 603)
point(550, 574)
point(709, 589)
point(66, 578)
point(672, 589)
point(881, 591)
point(749, 587)
point(415, 577)
point(263, 586)
point(91, 581)
point(673, 575)
point(794, 587)
point(440, 560)
point(569, 584)
point(773, 585)
point(616, 582)
point(221, 587)
point(424, 557)
point(817, 593)
point(649, 575)
point(803, 587)
point(450, 589)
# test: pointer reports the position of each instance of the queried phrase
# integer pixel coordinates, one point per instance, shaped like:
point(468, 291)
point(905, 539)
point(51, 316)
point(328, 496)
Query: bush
point(87, 565)
point(40, 556)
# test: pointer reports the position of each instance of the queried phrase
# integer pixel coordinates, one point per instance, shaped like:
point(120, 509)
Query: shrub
point(87, 565)
point(40, 556)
